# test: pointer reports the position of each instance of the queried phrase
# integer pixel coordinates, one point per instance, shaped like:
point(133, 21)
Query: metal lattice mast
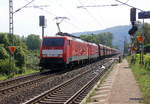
point(11, 25)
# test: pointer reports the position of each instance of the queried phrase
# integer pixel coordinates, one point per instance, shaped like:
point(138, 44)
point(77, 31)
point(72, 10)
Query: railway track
point(20, 85)
point(11, 85)
point(73, 90)
point(14, 81)
point(20, 92)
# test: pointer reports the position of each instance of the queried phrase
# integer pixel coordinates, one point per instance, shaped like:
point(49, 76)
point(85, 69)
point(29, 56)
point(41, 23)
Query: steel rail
point(36, 79)
point(57, 91)
point(12, 81)
point(38, 98)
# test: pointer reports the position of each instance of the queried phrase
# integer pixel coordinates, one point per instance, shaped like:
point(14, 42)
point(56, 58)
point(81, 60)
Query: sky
point(26, 21)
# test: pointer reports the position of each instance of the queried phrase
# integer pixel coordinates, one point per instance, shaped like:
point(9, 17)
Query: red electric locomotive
point(60, 51)
point(63, 50)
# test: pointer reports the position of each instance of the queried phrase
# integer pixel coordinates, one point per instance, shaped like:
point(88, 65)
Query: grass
point(3, 77)
point(143, 78)
point(27, 72)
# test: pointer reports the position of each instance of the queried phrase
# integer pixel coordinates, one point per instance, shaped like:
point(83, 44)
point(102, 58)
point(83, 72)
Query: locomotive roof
point(66, 37)
point(58, 37)
point(80, 40)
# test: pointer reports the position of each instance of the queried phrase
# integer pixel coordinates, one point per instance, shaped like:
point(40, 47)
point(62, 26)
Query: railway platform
point(119, 87)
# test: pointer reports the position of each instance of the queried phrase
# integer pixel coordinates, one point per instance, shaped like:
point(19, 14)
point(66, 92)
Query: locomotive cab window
point(53, 42)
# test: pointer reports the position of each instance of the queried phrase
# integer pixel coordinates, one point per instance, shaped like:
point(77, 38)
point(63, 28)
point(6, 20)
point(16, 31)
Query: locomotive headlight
point(60, 55)
point(44, 55)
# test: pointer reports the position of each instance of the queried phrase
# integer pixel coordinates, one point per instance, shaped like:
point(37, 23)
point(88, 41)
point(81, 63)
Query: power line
point(68, 12)
point(23, 6)
point(127, 1)
point(75, 26)
point(128, 5)
point(56, 17)
point(37, 6)
point(87, 6)
point(41, 8)
point(91, 15)
point(97, 6)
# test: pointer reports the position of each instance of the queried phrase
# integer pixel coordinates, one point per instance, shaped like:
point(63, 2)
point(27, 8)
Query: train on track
point(66, 51)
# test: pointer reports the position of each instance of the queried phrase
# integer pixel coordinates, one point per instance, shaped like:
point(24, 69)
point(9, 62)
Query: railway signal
point(141, 15)
point(133, 30)
point(140, 39)
point(133, 16)
point(42, 23)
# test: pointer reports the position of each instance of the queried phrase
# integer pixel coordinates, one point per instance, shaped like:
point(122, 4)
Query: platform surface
point(120, 87)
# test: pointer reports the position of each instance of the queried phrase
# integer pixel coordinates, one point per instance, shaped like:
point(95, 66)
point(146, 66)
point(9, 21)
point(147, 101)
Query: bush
point(20, 57)
point(9, 40)
point(33, 42)
point(3, 53)
point(4, 39)
point(147, 62)
point(6, 67)
point(147, 48)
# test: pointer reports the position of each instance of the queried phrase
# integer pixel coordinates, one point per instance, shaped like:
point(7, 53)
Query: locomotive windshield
point(53, 42)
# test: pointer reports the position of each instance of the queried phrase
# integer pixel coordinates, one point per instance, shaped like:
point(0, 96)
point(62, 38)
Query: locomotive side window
point(53, 42)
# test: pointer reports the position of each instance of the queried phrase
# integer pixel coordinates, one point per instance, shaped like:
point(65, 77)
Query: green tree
point(33, 42)
point(147, 48)
point(3, 53)
point(105, 38)
point(89, 38)
point(7, 40)
point(20, 57)
point(101, 38)
point(4, 39)
point(147, 33)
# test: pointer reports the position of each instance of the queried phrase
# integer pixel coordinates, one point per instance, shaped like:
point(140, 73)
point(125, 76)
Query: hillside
point(119, 32)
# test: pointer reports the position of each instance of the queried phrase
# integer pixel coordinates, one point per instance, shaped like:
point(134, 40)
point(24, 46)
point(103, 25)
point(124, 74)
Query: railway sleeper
point(64, 98)
point(56, 96)
point(54, 100)
point(46, 102)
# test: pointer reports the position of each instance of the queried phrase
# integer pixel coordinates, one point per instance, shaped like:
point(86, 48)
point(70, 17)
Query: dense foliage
point(10, 65)
point(147, 33)
point(146, 61)
point(33, 42)
point(101, 38)
point(147, 48)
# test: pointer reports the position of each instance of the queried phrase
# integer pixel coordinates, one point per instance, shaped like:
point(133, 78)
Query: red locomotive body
point(67, 51)
point(62, 50)
point(101, 50)
point(93, 51)
point(78, 51)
